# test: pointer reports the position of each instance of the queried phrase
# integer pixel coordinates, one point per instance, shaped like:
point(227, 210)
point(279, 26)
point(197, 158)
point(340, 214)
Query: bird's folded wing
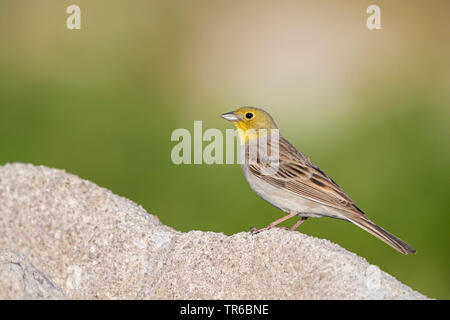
point(297, 174)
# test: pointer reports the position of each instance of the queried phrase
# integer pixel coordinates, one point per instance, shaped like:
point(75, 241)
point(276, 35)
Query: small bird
point(297, 186)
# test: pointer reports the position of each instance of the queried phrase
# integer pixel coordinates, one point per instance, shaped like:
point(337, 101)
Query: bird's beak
point(230, 116)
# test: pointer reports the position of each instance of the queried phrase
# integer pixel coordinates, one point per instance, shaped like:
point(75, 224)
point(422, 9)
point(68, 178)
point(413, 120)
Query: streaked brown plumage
point(298, 187)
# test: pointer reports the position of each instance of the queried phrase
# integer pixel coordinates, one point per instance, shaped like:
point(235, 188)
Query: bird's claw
point(253, 230)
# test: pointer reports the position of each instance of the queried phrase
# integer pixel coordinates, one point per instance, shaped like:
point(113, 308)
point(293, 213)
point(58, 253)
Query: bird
point(288, 180)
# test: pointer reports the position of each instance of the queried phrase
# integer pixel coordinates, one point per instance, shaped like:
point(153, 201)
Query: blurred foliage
point(102, 103)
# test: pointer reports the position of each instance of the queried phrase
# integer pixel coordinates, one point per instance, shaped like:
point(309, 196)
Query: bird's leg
point(273, 224)
point(299, 222)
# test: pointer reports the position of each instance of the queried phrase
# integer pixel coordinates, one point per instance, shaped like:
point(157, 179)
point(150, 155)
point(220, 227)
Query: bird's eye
point(249, 115)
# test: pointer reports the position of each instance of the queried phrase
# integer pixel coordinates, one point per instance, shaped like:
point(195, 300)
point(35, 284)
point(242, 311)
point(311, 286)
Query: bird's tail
point(380, 233)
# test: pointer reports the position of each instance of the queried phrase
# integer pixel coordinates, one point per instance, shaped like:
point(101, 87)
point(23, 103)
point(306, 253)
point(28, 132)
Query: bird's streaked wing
point(296, 173)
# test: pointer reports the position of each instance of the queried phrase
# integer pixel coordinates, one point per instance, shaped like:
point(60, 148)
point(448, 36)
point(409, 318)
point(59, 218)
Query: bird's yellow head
point(247, 118)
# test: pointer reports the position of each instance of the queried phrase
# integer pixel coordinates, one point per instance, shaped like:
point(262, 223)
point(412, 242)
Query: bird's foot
point(255, 231)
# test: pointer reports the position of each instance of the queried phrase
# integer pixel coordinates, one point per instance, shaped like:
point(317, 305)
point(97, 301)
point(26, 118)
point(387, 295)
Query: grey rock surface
point(96, 245)
point(19, 279)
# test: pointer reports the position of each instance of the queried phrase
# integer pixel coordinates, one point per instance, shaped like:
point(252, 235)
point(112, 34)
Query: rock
point(96, 245)
point(19, 279)
point(91, 243)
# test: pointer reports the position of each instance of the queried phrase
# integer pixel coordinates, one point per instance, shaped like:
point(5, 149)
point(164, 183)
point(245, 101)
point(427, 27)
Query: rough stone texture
point(94, 244)
point(19, 279)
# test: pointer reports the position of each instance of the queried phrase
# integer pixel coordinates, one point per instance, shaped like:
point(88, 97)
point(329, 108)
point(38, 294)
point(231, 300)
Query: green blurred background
point(370, 108)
